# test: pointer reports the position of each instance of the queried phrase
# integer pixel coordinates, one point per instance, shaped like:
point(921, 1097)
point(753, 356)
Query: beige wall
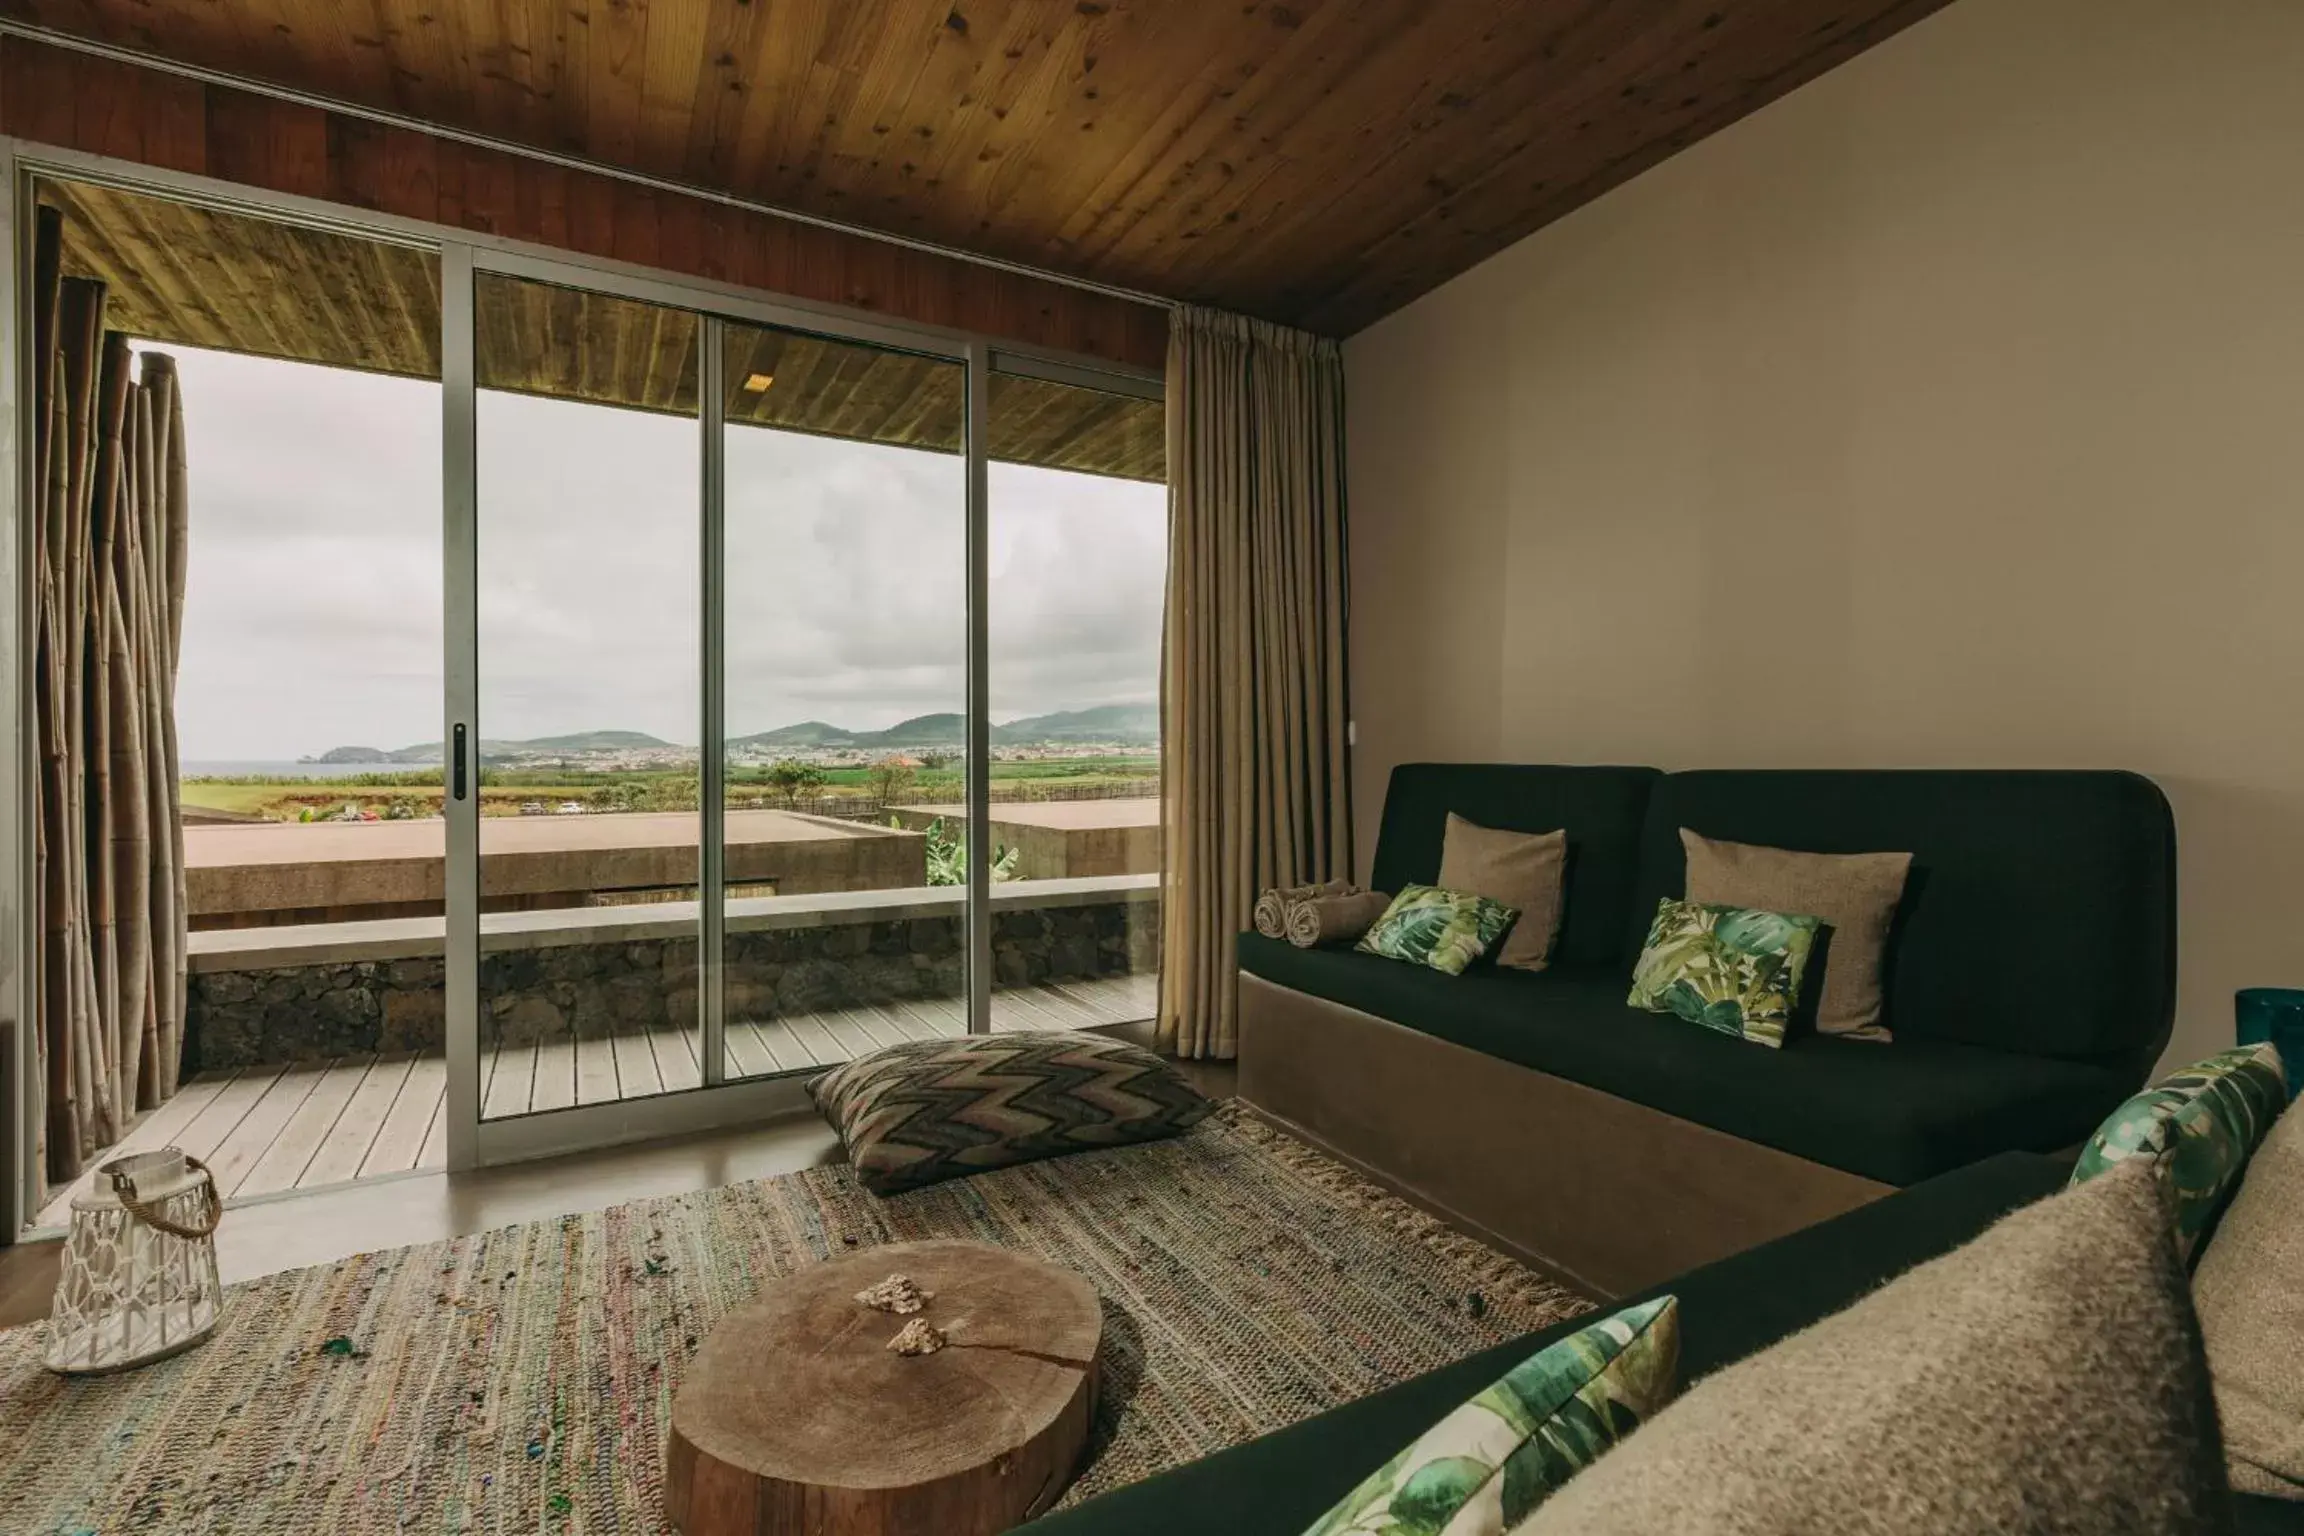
point(1948, 412)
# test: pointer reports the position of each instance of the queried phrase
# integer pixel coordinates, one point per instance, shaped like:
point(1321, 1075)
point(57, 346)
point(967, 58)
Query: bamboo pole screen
point(110, 528)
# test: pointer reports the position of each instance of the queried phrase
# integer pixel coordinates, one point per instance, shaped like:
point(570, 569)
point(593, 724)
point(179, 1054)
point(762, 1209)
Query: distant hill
point(919, 731)
point(945, 730)
point(417, 754)
point(1125, 724)
point(581, 741)
point(808, 733)
point(1121, 724)
point(541, 746)
point(1134, 724)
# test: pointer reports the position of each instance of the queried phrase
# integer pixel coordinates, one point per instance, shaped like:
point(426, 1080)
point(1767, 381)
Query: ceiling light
point(758, 381)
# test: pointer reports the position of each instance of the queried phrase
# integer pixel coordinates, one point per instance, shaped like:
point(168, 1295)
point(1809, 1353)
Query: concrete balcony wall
point(1065, 839)
point(281, 873)
point(266, 996)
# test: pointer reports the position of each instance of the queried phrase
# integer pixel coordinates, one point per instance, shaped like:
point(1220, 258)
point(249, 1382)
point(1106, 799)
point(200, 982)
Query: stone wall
point(551, 991)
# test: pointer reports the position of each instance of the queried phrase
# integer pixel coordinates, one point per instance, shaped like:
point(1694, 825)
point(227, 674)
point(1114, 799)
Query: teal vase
point(2275, 1014)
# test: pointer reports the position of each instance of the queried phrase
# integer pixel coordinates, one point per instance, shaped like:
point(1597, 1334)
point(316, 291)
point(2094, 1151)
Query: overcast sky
point(312, 608)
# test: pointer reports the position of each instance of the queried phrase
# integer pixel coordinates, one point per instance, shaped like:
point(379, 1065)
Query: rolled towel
point(1271, 914)
point(1272, 907)
point(1335, 919)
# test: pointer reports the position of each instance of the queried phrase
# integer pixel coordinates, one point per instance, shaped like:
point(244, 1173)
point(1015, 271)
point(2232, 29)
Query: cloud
point(313, 611)
point(313, 580)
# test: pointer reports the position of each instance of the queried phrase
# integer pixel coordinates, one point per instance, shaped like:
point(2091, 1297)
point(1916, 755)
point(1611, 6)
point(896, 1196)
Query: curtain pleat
point(1254, 778)
point(109, 567)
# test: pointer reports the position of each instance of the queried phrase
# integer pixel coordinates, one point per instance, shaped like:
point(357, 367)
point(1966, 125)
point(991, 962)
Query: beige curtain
point(109, 568)
point(1255, 785)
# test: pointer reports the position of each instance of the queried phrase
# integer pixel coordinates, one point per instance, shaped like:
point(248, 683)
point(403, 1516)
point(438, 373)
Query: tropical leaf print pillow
point(2201, 1125)
point(1446, 930)
point(1479, 1471)
point(1727, 968)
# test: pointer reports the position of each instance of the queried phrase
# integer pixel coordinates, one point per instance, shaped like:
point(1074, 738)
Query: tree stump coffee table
point(796, 1416)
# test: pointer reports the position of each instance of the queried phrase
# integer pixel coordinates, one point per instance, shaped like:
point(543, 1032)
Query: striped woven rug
point(521, 1379)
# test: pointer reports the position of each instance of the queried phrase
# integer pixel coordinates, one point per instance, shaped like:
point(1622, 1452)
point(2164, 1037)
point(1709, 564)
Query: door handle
point(456, 771)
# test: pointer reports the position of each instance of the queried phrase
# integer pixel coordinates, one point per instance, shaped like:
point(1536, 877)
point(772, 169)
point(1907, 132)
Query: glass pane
point(588, 485)
point(1078, 525)
point(846, 687)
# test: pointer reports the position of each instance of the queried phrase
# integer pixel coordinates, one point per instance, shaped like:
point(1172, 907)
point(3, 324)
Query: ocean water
point(192, 769)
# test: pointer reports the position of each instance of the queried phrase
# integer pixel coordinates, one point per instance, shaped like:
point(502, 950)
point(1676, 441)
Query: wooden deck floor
point(265, 1130)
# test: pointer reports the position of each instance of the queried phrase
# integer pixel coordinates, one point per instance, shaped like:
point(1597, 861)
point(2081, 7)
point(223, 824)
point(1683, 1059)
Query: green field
point(504, 791)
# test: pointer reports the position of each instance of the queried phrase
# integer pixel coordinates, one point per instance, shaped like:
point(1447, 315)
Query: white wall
point(1949, 411)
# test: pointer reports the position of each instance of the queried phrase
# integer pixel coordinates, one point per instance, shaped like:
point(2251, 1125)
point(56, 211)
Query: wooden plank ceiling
point(199, 277)
point(1318, 162)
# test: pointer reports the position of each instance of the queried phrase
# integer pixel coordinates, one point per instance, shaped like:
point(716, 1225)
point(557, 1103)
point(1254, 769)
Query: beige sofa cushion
point(1854, 893)
point(2249, 1289)
point(1523, 870)
point(2044, 1380)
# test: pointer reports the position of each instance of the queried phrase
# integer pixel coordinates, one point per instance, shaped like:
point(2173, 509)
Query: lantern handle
point(124, 1186)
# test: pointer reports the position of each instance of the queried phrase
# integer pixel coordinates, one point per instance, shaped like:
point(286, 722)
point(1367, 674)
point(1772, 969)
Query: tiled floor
point(266, 1130)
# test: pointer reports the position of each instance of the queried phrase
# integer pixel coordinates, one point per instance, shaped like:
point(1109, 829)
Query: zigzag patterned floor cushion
point(931, 1110)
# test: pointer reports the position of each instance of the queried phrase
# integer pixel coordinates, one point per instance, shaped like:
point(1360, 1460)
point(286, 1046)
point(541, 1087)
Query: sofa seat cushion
point(1278, 1485)
point(1898, 1113)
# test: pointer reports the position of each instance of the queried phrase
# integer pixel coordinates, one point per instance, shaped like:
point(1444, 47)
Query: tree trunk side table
point(796, 1416)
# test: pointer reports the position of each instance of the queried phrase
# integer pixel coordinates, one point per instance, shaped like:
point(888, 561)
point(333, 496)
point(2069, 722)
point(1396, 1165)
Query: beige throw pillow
point(1855, 894)
point(2252, 1317)
point(2044, 1380)
point(1523, 870)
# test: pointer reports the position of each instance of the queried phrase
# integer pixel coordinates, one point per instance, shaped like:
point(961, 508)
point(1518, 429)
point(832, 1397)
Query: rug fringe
point(1497, 1277)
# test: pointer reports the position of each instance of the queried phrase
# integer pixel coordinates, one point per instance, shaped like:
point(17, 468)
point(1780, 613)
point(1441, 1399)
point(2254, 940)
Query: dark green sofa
point(2030, 983)
point(1278, 1484)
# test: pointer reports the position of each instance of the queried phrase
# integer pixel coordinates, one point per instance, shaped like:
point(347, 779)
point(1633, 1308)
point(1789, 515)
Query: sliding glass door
point(844, 663)
point(710, 707)
point(585, 747)
point(803, 685)
point(1077, 564)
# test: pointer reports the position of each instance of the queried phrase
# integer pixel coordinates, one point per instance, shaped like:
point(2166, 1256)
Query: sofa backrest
point(1601, 809)
point(2040, 915)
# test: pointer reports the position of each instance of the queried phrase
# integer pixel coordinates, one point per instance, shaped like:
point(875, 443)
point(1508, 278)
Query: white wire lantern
point(139, 1279)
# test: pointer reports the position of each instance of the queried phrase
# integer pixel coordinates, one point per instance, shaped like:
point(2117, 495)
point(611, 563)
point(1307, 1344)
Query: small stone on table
point(897, 1294)
point(917, 1337)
